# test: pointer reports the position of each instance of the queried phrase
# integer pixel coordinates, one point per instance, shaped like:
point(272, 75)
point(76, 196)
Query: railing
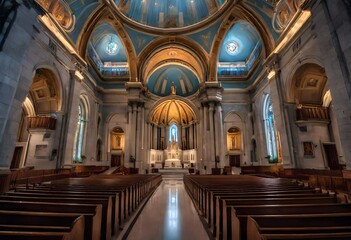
point(41, 122)
point(305, 113)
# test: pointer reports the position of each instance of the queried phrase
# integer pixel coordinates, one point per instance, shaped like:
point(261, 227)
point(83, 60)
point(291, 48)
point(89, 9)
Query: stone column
point(135, 100)
point(154, 136)
point(133, 135)
point(219, 134)
point(281, 117)
point(210, 95)
point(205, 149)
point(184, 145)
point(334, 31)
point(16, 78)
point(128, 143)
point(212, 140)
point(138, 137)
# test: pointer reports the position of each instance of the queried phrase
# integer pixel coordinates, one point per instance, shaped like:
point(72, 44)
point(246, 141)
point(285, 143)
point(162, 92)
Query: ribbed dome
point(168, 13)
point(173, 111)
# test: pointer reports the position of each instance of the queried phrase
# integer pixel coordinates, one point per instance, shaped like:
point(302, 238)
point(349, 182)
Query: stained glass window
point(271, 140)
point(80, 133)
point(173, 133)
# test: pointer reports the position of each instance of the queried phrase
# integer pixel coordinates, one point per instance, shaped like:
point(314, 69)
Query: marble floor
point(170, 215)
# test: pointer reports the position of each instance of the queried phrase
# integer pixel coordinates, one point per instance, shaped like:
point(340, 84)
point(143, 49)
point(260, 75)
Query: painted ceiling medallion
point(232, 47)
point(111, 47)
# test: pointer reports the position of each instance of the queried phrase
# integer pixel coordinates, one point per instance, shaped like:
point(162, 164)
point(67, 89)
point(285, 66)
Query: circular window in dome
point(232, 48)
point(111, 47)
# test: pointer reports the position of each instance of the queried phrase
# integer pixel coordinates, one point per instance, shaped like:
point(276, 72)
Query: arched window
point(271, 140)
point(173, 133)
point(80, 133)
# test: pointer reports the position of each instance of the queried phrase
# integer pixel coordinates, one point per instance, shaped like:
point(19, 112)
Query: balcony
point(41, 122)
point(307, 113)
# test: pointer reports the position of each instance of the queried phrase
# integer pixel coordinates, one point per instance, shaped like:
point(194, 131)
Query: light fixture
point(271, 74)
point(111, 47)
point(79, 75)
point(232, 47)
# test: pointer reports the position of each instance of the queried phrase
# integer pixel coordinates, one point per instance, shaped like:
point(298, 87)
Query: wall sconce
point(79, 75)
point(271, 74)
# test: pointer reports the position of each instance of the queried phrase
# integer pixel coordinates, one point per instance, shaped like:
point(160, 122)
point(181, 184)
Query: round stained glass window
point(112, 47)
point(232, 47)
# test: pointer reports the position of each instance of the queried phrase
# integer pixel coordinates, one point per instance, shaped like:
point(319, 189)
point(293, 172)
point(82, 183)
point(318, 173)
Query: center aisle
point(169, 214)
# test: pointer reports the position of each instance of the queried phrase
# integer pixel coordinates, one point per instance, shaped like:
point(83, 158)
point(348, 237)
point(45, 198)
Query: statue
point(173, 90)
point(173, 145)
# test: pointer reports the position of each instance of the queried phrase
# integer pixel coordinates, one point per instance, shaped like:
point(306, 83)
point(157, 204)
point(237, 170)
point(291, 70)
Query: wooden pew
point(319, 236)
point(92, 213)
point(105, 202)
point(22, 235)
point(235, 228)
point(206, 190)
point(223, 205)
point(126, 192)
point(211, 196)
point(117, 206)
point(74, 221)
point(253, 195)
point(121, 197)
point(212, 202)
point(329, 224)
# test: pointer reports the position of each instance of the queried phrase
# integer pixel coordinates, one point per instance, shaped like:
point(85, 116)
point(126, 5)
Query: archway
point(314, 118)
point(35, 136)
point(173, 134)
point(117, 147)
point(234, 142)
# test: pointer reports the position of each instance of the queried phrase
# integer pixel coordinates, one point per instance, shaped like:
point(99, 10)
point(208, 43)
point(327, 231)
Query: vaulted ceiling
point(226, 39)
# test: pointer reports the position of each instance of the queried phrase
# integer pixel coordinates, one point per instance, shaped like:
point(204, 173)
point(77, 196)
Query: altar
point(173, 155)
point(173, 163)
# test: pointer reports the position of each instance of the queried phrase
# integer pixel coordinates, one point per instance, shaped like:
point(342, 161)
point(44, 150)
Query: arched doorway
point(36, 143)
point(234, 140)
point(117, 147)
point(313, 117)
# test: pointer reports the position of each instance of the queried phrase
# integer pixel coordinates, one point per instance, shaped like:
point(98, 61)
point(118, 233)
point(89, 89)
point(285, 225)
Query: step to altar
point(173, 173)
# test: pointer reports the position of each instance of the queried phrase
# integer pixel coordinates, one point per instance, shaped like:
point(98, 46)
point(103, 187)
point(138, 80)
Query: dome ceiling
point(103, 29)
point(240, 50)
point(168, 13)
point(107, 51)
point(184, 81)
point(173, 110)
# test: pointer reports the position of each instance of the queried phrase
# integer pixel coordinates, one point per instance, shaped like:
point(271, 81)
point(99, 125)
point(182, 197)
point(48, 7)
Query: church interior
point(228, 115)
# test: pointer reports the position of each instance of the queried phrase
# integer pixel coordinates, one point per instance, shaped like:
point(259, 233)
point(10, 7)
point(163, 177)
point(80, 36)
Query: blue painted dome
point(240, 49)
point(182, 80)
point(168, 13)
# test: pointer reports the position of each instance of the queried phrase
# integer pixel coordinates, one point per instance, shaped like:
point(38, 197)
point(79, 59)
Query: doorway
point(16, 158)
point(116, 160)
point(234, 160)
point(332, 156)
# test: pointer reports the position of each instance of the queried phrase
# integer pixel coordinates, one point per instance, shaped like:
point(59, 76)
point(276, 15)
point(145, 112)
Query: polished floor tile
point(169, 215)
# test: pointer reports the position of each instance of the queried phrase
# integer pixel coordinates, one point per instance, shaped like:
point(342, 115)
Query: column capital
point(211, 92)
point(135, 91)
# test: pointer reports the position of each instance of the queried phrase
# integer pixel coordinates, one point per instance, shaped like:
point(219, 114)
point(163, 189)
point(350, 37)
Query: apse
point(240, 50)
point(173, 79)
point(107, 52)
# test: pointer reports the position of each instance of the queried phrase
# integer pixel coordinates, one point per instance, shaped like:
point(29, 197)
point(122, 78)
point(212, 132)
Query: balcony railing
point(41, 122)
point(306, 113)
